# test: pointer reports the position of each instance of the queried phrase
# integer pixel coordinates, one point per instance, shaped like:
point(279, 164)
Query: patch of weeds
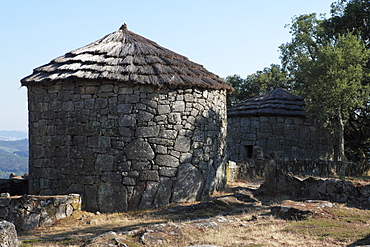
point(29, 242)
point(68, 242)
point(132, 241)
point(343, 228)
point(352, 215)
point(40, 242)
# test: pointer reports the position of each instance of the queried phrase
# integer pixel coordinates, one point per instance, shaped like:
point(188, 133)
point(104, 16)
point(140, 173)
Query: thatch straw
point(278, 102)
point(126, 57)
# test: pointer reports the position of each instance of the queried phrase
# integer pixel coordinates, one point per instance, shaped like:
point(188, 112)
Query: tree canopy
point(260, 82)
point(353, 17)
point(327, 72)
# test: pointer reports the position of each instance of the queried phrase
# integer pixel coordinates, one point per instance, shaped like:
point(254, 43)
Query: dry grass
point(261, 233)
point(81, 226)
point(250, 226)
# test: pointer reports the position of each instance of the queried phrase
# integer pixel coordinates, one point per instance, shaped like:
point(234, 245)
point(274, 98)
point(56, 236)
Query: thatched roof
point(126, 57)
point(278, 102)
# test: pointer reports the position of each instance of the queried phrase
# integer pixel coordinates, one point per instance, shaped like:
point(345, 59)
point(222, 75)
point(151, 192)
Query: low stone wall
point(334, 190)
point(28, 212)
point(256, 167)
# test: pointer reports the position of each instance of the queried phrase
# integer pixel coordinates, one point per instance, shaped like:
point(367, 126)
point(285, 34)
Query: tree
point(241, 90)
point(353, 16)
point(258, 83)
point(327, 72)
point(349, 16)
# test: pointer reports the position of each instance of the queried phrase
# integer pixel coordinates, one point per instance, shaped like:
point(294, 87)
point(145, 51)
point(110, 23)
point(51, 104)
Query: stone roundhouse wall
point(280, 137)
point(126, 147)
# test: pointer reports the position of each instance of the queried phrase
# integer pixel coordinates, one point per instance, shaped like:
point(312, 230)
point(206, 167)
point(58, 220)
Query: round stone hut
point(127, 124)
point(277, 122)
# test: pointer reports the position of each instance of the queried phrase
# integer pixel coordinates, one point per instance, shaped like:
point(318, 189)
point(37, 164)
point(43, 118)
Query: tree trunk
point(340, 137)
point(341, 158)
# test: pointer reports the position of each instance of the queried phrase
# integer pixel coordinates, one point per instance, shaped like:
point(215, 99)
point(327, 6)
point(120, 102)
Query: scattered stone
point(292, 210)
point(157, 234)
point(290, 213)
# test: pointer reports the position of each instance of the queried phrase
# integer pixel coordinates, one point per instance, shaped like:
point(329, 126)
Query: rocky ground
point(238, 216)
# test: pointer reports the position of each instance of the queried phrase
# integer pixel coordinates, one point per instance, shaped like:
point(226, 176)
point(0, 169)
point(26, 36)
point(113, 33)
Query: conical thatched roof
point(277, 102)
point(126, 57)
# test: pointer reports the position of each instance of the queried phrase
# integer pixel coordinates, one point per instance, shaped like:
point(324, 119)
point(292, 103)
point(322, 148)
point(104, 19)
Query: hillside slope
point(13, 157)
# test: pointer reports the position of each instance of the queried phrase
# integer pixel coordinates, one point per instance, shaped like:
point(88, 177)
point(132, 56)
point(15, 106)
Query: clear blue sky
point(226, 37)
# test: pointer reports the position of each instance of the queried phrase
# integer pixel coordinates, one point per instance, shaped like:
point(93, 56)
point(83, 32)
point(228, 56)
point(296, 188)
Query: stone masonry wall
point(28, 212)
point(124, 147)
point(280, 137)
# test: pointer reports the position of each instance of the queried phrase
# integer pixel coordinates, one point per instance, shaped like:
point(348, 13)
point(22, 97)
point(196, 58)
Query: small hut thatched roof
point(277, 102)
point(126, 57)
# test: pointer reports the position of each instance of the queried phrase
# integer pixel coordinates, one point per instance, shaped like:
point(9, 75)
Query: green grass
point(40, 242)
point(345, 225)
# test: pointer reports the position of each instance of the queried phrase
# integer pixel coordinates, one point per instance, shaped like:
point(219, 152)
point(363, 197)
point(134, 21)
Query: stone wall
point(124, 147)
point(313, 188)
point(14, 186)
point(280, 137)
point(28, 212)
point(251, 168)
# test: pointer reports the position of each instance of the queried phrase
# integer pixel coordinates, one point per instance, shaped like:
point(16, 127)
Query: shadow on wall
point(198, 170)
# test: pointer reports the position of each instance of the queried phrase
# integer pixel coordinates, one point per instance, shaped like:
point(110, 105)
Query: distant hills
point(12, 135)
point(13, 153)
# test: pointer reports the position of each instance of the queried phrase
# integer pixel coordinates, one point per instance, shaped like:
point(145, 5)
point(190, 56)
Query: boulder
point(189, 184)
point(8, 234)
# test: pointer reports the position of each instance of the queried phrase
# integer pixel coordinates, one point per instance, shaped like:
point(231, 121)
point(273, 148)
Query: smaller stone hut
point(276, 121)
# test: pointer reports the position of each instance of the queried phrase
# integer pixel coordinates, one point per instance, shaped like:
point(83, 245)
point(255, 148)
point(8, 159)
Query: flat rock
point(292, 210)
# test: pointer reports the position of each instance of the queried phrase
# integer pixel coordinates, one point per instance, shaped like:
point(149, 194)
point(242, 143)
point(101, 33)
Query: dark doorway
point(248, 150)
